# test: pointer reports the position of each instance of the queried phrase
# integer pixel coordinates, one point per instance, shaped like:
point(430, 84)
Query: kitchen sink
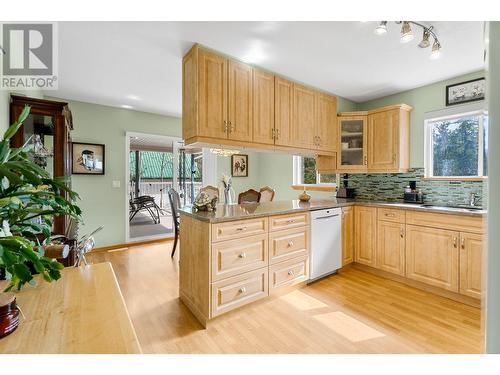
point(451, 207)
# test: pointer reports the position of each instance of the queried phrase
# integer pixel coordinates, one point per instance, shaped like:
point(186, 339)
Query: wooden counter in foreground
point(83, 312)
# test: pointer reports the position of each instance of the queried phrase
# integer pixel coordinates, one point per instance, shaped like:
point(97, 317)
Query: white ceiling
point(139, 63)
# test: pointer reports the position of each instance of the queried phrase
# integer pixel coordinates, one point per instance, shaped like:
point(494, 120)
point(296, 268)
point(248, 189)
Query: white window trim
point(298, 173)
point(475, 109)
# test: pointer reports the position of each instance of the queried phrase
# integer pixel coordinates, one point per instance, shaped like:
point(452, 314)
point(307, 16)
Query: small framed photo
point(88, 158)
point(465, 92)
point(239, 165)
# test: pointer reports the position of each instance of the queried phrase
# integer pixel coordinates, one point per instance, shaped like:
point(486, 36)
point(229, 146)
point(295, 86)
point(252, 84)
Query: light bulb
point(382, 28)
point(425, 39)
point(406, 32)
point(436, 49)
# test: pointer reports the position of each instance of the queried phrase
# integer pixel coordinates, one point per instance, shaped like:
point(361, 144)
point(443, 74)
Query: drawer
point(391, 214)
point(287, 244)
point(288, 221)
point(456, 222)
point(288, 273)
point(234, 257)
point(236, 229)
point(231, 293)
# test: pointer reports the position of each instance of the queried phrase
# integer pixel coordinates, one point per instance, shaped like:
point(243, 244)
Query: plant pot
point(9, 314)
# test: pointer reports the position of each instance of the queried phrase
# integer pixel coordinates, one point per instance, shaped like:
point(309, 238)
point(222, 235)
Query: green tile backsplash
point(390, 187)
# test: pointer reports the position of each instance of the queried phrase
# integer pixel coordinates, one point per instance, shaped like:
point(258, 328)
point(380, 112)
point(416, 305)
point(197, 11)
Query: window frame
point(298, 174)
point(463, 111)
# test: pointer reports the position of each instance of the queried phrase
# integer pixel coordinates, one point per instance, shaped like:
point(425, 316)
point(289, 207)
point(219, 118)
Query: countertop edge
point(325, 204)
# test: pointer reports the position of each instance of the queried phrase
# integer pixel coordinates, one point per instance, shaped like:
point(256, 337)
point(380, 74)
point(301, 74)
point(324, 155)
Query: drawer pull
point(242, 255)
point(239, 229)
point(290, 221)
point(463, 243)
point(402, 233)
point(390, 215)
point(242, 290)
point(290, 244)
point(455, 242)
point(290, 273)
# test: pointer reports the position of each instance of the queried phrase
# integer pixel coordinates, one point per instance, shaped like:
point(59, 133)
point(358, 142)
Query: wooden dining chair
point(212, 191)
point(249, 196)
point(175, 204)
point(266, 194)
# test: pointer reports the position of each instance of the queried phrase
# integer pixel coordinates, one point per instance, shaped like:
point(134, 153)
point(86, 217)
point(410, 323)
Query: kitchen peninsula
point(238, 254)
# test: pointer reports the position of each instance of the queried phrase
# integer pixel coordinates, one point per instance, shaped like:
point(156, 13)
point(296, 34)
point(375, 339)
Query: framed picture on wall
point(465, 92)
point(88, 158)
point(239, 165)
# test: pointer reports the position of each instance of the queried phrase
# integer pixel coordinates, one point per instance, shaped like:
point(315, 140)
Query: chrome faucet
point(473, 199)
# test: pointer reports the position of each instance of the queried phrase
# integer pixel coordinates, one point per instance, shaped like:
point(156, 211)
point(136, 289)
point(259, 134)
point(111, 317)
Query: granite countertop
point(254, 210)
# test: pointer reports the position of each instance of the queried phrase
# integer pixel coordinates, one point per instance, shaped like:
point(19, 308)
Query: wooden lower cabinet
point(365, 237)
point(471, 261)
point(288, 273)
point(237, 291)
point(287, 244)
point(391, 247)
point(432, 256)
point(347, 235)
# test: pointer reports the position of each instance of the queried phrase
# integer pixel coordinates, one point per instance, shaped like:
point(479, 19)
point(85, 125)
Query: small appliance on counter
point(412, 195)
point(345, 191)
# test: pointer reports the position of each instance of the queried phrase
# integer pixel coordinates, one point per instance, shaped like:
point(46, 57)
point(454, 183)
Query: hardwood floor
point(352, 312)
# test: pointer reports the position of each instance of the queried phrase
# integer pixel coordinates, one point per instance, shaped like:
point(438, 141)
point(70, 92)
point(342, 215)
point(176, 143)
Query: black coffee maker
point(345, 191)
point(413, 196)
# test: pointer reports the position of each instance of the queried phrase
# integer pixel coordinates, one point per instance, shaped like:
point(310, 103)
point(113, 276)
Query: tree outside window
point(456, 146)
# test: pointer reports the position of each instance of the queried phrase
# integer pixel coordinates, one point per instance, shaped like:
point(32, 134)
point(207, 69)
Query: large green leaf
point(16, 125)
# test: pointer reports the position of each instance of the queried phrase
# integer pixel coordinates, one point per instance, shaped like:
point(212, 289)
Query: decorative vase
point(9, 314)
point(229, 195)
point(304, 197)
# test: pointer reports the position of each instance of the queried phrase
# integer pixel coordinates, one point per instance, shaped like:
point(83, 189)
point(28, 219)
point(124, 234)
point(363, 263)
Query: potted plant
point(29, 200)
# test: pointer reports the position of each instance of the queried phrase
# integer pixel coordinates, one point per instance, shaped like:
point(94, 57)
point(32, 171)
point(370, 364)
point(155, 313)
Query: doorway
point(155, 164)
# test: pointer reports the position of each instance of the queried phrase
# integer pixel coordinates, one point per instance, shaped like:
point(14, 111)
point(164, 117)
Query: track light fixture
point(407, 35)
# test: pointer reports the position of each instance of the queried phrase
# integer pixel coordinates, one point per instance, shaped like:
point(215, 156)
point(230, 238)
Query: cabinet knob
point(242, 255)
point(242, 289)
point(290, 243)
point(402, 233)
point(290, 273)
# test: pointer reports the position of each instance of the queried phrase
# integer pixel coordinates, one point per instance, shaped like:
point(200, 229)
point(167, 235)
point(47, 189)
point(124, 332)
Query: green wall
point(4, 111)
point(493, 256)
point(422, 99)
point(101, 203)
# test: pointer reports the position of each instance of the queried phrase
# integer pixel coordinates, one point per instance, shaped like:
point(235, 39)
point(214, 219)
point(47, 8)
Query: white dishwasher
point(326, 243)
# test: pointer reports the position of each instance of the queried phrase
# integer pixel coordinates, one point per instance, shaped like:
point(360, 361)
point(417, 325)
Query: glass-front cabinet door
point(352, 147)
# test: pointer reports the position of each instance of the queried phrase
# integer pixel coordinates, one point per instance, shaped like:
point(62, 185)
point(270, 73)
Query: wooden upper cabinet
point(263, 107)
point(388, 139)
point(432, 256)
point(283, 107)
point(304, 117)
point(471, 264)
point(240, 101)
point(326, 122)
point(365, 234)
point(212, 95)
point(352, 142)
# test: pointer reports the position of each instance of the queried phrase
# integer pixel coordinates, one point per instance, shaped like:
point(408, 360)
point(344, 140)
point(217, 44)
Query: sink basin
point(438, 207)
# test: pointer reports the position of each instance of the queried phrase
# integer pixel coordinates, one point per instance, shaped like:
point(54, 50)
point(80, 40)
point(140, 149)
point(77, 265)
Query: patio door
point(157, 164)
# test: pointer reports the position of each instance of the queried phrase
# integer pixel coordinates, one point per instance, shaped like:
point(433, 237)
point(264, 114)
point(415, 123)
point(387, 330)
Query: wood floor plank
point(385, 316)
